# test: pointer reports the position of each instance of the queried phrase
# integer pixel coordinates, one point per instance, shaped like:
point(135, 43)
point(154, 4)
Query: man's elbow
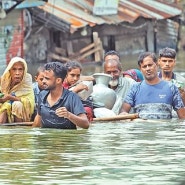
point(37, 121)
point(36, 124)
point(181, 113)
point(86, 125)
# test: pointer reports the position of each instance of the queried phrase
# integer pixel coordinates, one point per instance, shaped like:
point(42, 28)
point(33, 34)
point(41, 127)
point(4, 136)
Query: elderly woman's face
point(17, 72)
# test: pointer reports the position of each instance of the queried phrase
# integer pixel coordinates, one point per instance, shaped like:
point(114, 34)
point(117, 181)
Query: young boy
point(38, 86)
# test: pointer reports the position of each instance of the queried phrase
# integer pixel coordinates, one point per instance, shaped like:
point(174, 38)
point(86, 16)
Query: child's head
point(74, 69)
point(39, 77)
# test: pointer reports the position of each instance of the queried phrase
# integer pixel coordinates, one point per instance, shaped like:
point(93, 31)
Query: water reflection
point(108, 153)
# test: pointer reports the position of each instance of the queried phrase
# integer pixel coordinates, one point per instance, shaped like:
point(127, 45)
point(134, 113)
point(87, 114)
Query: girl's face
point(73, 76)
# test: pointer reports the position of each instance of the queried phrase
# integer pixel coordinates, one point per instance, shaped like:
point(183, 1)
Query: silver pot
point(102, 95)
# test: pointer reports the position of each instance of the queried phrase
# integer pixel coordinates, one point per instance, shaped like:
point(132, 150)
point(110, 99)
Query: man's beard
point(51, 87)
point(113, 83)
point(167, 73)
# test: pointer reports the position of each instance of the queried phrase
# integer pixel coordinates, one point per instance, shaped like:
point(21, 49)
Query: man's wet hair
point(143, 55)
point(167, 53)
point(112, 52)
point(59, 69)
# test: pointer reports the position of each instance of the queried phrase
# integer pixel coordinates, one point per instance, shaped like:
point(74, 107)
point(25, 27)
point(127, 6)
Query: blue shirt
point(69, 100)
point(154, 101)
point(36, 91)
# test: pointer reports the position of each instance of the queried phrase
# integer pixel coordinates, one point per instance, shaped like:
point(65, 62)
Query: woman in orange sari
point(17, 102)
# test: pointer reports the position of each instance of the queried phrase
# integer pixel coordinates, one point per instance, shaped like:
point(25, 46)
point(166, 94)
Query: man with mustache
point(119, 84)
point(153, 98)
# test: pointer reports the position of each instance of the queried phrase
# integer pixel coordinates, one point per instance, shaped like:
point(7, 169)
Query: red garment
point(65, 85)
point(89, 113)
point(89, 110)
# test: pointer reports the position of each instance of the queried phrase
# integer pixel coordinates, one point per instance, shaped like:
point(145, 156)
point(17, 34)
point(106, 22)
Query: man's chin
point(113, 83)
point(44, 87)
point(166, 71)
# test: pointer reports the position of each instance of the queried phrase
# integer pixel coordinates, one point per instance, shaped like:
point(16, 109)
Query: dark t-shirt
point(49, 119)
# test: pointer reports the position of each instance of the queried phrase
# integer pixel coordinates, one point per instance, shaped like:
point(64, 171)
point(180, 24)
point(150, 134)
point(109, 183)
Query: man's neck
point(167, 75)
point(54, 95)
point(57, 92)
point(154, 81)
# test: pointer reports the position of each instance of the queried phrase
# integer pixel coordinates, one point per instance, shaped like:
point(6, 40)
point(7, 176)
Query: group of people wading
point(53, 101)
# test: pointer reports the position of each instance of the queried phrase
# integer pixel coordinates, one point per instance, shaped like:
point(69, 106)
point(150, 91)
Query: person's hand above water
point(182, 92)
point(9, 97)
point(62, 112)
point(79, 87)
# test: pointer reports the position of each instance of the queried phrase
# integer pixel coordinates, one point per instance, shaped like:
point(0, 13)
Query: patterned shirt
point(154, 101)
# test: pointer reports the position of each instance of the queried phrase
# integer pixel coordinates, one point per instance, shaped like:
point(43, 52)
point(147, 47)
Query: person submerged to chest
point(155, 101)
point(49, 105)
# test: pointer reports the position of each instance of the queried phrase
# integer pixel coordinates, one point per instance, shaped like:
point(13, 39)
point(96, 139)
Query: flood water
point(123, 152)
point(130, 153)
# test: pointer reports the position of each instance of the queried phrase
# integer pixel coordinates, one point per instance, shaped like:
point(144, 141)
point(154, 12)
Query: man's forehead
point(48, 72)
point(112, 65)
point(148, 59)
point(167, 58)
point(114, 57)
